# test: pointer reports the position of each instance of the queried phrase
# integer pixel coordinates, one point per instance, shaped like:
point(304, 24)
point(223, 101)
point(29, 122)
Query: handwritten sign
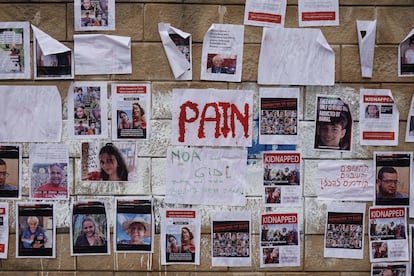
point(211, 117)
point(206, 176)
point(346, 180)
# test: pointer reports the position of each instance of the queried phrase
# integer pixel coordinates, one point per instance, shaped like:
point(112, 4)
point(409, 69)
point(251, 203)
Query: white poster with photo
point(388, 240)
point(279, 240)
point(406, 56)
point(318, 13)
point(52, 59)
point(177, 45)
point(265, 13)
point(49, 171)
point(180, 236)
point(231, 239)
point(281, 179)
point(14, 50)
point(10, 171)
point(4, 229)
point(87, 110)
point(94, 15)
point(206, 176)
point(130, 111)
point(378, 118)
point(390, 269)
point(212, 117)
point(346, 180)
point(35, 230)
point(278, 117)
point(222, 54)
point(344, 230)
point(115, 162)
point(409, 130)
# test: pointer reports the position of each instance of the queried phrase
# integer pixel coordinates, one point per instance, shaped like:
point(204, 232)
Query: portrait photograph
point(10, 171)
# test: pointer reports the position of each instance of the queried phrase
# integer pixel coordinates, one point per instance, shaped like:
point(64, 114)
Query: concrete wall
point(139, 19)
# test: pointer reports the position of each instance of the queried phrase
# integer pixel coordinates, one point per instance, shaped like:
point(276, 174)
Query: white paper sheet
point(97, 15)
point(52, 59)
point(26, 117)
point(102, 54)
point(378, 118)
point(212, 117)
point(318, 13)
point(295, 57)
point(14, 50)
point(366, 30)
point(177, 45)
point(409, 130)
point(222, 54)
point(265, 13)
point(406, 56)
point(4, 229)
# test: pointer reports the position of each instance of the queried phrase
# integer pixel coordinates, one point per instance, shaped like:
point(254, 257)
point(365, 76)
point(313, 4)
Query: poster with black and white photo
point(35, 230)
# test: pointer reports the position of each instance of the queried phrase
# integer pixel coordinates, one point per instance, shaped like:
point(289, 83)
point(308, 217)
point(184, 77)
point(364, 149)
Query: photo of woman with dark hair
point(113, 166)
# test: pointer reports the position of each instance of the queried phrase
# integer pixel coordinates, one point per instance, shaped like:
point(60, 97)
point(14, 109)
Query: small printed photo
point(87, 110)
point(52, 66)
point(90, 234)
point(271, 255)
point(406, 51)
point(221, 64)
point(273, 195)
point(10, 167)
point(380, 250)
point(372, 111)
point(133, 231)
point(49, 180)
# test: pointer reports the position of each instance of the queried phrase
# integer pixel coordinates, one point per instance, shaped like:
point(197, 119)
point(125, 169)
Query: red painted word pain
point(224, 115)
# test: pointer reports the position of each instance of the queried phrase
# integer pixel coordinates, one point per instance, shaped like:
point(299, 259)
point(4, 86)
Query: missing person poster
point(278, 116)
point(134, 231)
point(265, 13)
point(180, 236)
point(344, 234)
point(409, 131)
point(281, 179)
point(333, 124)
point(14, 50)
point(130, 110)
point(346, 180)
point(89, 233)
point(230, 237)
point(102, 161)
point(94, 15)
point(87, 110)
point(318, 13)
point(10, 171)
point(393, 173)
point(49, 164)
point(4, 229)
point(378, 118)
point(279, 240)
point(35, 230)
point(390, 269)
point(388, 240)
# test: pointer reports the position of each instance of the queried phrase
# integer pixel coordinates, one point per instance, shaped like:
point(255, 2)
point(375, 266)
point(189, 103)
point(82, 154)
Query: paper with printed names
point(265, 13)
point(366, 30)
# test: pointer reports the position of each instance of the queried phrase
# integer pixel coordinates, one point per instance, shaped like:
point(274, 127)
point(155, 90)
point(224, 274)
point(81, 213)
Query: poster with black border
point(4, 229)
point(14, 50)
point(10, 171)
point(35, 230)
point(388, 241)
point(231, 238)
point(134, 230)
point(89, 231)
point(131, 106)
point(390, 269)
point(279, 240)
point(180, 236)
point(393, 171)
point(344, 230)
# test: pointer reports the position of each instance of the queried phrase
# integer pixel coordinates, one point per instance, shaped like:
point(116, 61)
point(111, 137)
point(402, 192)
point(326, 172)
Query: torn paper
point(406, 56)
point(265, 13)
point(366, 38)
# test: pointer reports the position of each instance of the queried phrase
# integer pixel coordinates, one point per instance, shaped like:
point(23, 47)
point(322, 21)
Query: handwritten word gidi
point(225, 115)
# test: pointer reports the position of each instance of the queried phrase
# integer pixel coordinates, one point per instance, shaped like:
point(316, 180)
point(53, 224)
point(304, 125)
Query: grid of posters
point(393, 173)
point(265, 13)
point(281, 179)
point(4, 229)
point(318, 13)
point(49, 165)
point(180, 236)
point(378, 118)
point(87, 110)
point(35, 230)
point(89, 233)
point(388, 240)
point(14, 50)
point(333, 124)
point(134, 231)
point(344, 234)
point(131, 107)
point(230, 235)
point(279, 240)
point(94, 15)
point(10, 171)
point(278, 117)
point(102, 161)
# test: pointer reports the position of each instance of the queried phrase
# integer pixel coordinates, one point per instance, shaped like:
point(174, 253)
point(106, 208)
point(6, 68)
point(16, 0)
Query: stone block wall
point(138, 19)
